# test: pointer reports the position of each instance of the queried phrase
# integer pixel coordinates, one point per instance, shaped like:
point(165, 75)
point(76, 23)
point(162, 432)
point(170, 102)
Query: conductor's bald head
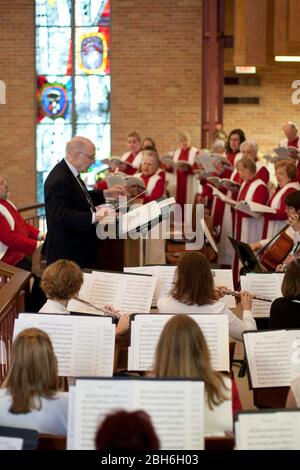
point(80, 152)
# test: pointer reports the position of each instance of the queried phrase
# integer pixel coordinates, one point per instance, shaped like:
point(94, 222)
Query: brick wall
point(263, 122)
point(156, 70)
point(17, 116)
point(156, 79)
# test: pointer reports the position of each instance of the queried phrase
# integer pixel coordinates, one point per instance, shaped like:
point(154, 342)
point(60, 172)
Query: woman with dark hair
point(194, 292)
point(127, 431)
point(235, 139)
point(285, 311)
point(182, 352)
point(30, 397)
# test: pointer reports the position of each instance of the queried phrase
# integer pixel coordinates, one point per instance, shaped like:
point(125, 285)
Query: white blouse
point(52, 418)
point(53, 306)
point(168, 304)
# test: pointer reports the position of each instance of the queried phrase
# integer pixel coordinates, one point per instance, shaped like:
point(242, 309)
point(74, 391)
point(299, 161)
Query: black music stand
point(247, 256)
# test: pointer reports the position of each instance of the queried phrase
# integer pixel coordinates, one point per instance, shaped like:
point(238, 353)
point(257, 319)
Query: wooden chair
point(220, 443)
point(51, 442)
point(271, 397)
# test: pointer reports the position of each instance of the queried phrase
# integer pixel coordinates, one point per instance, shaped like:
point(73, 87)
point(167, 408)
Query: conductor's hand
point(115, 191)
point(246, 300)
point(105, 214)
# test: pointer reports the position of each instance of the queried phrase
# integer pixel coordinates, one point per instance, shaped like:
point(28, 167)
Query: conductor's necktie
point(86, 193)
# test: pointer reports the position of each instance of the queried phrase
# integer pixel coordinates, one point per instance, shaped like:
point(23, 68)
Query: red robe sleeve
point(157, 192)
point(14, 240)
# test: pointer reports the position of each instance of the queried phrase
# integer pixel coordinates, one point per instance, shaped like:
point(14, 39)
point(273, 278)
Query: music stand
point(30, 436)
point(247, 256)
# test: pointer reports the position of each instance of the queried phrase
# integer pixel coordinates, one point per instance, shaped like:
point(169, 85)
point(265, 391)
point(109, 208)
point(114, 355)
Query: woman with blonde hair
point(194, 292)
point(30, 397)
point(182, 352)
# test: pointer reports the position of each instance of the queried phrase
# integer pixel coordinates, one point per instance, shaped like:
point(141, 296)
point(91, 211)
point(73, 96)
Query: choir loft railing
point(13, 283)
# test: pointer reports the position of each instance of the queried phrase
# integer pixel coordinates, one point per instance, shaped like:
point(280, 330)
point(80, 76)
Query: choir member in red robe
point(291, 140)
point(235, 139)
point(133, 155)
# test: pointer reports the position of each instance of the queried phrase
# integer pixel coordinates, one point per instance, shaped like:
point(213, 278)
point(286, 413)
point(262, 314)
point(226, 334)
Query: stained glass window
point(73, 83)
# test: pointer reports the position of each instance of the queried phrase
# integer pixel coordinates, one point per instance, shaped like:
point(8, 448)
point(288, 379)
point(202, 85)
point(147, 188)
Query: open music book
point(126, 292)
point(285, 153)
point(225, 183)
point(262, 285)
point(176, 409)
point(273, 357)
point(205, 160)
point(268, 430)
point(145, 331)
point(141, 216)
point(116, 161)
point(125, 180)
point(83, 345)
point(254, 209)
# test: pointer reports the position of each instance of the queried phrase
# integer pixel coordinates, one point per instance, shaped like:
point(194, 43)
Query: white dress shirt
point(53, 306)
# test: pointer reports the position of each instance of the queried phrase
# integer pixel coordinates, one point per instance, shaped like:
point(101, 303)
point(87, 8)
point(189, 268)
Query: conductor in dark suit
point(70, 207)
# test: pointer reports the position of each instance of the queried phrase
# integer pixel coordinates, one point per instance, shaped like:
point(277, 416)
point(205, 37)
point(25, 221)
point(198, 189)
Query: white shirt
point(219, 419)
point(53, 306)
point(52, 418)
point(168, 304)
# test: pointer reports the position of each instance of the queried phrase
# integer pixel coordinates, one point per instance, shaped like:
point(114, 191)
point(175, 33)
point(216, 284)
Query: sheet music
point(279, 430)
point(262, 285)
point(71, 418)
point(206, 161)
point(139, 216)
point(269, 358)
point(164, 278)
point(175, 408)
point(222, 196)
point(208, 235)
point(11, 443)
point(145, 331)
point(223, 277)
point(293, 338)
point(127, 293)
point(82, 345)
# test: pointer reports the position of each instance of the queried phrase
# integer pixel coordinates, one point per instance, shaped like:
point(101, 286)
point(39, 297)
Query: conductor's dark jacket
point(70, 233)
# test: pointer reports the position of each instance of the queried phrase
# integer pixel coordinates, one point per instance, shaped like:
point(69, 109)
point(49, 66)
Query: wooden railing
point(13, 283)
point(35, 215)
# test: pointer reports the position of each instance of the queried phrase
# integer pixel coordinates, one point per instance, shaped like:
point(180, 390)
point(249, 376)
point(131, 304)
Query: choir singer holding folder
point(70, 208)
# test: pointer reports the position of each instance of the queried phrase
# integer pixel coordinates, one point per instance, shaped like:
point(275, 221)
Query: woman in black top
point(285, 311)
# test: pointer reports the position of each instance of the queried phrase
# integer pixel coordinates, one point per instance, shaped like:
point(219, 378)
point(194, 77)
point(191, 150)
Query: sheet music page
point(261, 208)
point(176, 411)
point(71, 418)
point(164, 278)
point(294, 346)
point(262, 285)
point(223, 197)
point(127, 293)
point(223, 277)
point(269, 431)
point(146, 329)
point(139, 216)
point(269, 358)
point(11, 443)
point(83, 346)
point(243, 206)
point(206, 161)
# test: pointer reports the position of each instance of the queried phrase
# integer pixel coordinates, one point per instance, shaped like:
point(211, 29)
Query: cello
point(275, 252)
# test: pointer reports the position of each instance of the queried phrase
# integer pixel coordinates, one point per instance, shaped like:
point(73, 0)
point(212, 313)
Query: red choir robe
point(186, 183)
point(249, 229)
point(134, 160)
point(17, 237)
point(155, 186)
point(273, 223)
point(293, 143)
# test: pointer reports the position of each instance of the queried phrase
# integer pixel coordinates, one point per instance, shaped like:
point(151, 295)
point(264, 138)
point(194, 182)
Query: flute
point(256, 297)
point(93, 306)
